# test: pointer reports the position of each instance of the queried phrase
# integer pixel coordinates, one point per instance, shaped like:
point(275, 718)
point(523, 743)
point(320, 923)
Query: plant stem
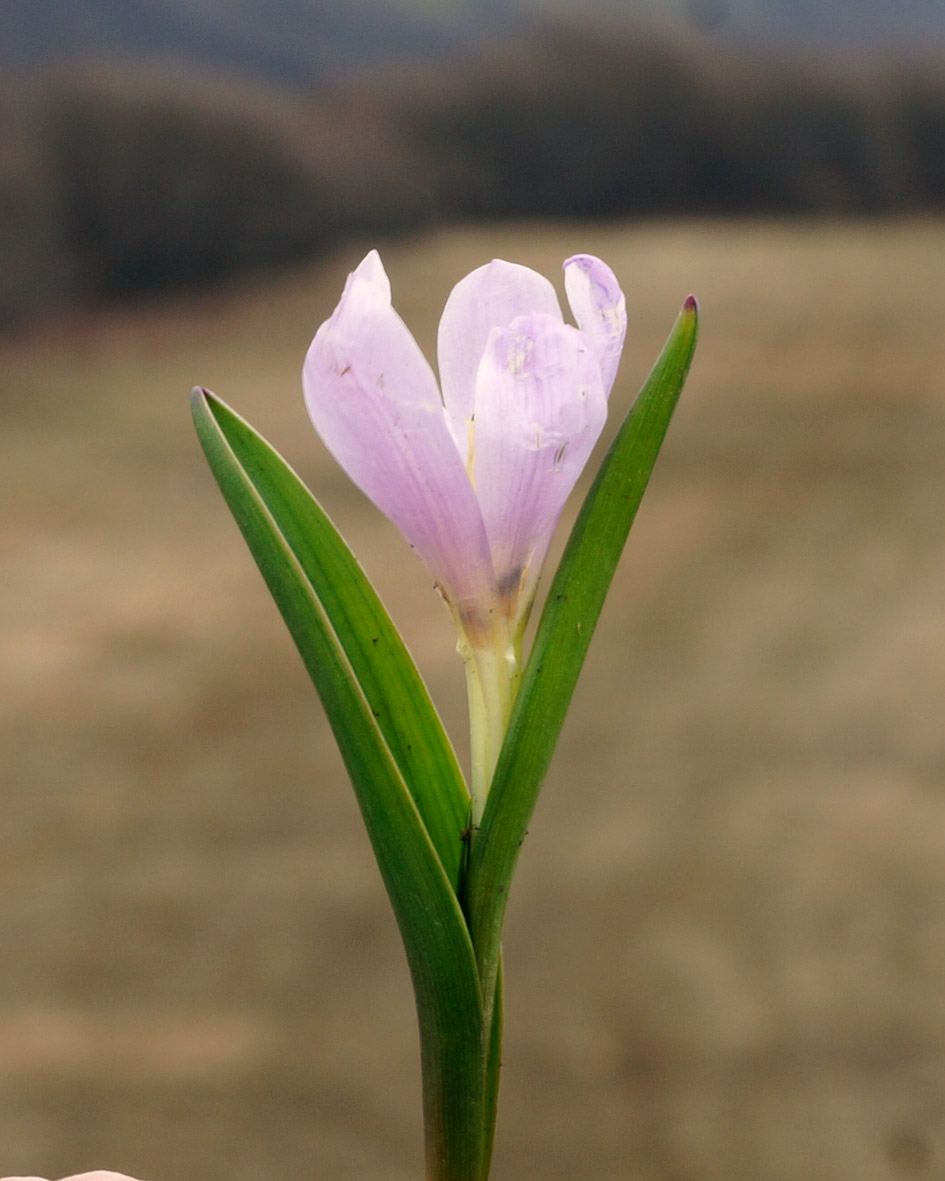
point(492, 677)
point(493, 1067)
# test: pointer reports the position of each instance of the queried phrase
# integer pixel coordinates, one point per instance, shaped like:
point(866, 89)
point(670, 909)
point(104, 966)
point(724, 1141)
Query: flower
point(475, 479)
point(474, 471)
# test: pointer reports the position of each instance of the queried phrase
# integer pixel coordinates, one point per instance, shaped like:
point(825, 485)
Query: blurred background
point(726, 946)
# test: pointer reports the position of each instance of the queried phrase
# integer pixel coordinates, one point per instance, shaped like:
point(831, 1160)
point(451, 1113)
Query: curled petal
point(600, 310)
point(540, 407)
point(490, 297)
point(374, 400)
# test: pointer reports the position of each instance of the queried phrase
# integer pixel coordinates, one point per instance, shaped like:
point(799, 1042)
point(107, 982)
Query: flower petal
point(373, 399)
point(540, 407)
point(490, 297)
point(600, 310)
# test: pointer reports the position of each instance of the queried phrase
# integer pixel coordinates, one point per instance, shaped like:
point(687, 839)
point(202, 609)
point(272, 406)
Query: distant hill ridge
point(295, 42)
point(119, 179)
point(309, 42)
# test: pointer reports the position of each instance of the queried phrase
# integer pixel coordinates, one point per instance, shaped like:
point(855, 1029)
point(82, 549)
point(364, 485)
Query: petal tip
point(369, 272)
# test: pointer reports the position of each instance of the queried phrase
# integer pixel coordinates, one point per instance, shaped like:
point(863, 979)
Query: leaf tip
point(691, 305)
point(204, 404)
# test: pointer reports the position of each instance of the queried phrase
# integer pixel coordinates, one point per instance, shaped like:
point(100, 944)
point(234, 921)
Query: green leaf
point(493, 1070)
point(400, 764)
point(380, 661)
point(564, 632)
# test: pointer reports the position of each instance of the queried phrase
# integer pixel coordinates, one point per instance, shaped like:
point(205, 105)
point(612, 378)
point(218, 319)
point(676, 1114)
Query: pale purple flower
point(475, 476)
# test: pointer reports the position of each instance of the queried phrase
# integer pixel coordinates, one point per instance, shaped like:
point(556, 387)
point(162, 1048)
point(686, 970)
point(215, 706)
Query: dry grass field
point(726, 947)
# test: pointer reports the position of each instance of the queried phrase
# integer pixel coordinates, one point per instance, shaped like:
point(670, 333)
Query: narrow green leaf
point(564, 632)
point(493, 1071)
point(381, 663)
point(263, 495)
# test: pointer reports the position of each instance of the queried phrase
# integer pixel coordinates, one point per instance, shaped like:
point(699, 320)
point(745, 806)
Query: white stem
point(492, 674)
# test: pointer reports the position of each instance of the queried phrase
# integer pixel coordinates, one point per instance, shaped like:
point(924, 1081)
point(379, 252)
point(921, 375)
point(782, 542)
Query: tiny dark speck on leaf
point(375, 639)
point(376, 713)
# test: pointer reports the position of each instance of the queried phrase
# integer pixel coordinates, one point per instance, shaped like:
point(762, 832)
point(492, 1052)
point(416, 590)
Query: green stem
point(453, 1114)
point(492, 675)
point(493, 1068)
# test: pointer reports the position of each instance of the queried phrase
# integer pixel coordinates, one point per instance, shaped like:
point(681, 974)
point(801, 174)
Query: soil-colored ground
point(726, 946)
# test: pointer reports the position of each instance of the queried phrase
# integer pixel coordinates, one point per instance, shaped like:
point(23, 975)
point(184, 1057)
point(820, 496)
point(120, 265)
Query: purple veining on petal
point(373, 398)
point(600, 310)
point(490, 297)
point(540, 407)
